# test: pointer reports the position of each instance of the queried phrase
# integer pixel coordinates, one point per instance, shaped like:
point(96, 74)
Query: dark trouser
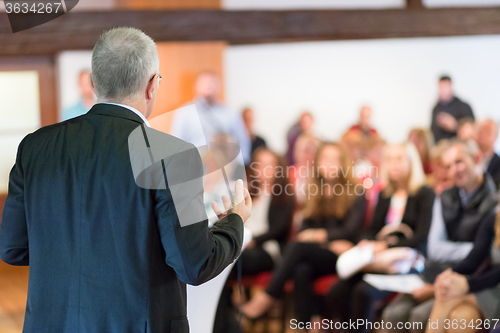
point(353, 299)
point(405, 309)
point(253, 261)
point(304, 262)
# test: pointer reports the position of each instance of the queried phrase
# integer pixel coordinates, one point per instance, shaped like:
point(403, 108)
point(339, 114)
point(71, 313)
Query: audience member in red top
point(364, 125)
point(419, 138)
point(356, 138)
point(303, 125)
point(305, 149)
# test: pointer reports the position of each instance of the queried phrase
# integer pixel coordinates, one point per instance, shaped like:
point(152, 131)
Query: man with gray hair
point(457, 215)
point(105, 254)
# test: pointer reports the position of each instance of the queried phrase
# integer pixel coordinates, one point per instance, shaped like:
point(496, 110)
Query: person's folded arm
point(14, 249)
point(352, 224)
point(490, 279)
point(439, 248)
point(482, 246)
point(195, 252)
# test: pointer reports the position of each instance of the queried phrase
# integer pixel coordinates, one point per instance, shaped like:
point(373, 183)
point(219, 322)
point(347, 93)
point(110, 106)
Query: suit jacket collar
point(494, 164)
point(115, 111)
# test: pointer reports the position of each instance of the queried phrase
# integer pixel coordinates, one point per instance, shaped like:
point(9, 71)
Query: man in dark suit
point(448, 111)
point(486, 137)
point(105, 254)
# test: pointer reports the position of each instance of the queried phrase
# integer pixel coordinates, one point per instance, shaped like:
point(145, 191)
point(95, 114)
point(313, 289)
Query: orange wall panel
point(179, 65)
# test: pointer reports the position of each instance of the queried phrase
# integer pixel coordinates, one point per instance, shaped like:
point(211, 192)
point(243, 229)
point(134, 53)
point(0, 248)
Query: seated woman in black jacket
point(333, 216)
point(402, 219)
point(272, 211)
point(468, 297)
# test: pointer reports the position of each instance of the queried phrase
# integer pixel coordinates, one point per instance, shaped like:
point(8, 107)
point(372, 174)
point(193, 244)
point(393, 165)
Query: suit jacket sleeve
point(14, 248)
point(195, 252)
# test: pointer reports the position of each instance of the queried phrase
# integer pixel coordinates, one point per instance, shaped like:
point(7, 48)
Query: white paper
point(353, 260)
point(406, 283)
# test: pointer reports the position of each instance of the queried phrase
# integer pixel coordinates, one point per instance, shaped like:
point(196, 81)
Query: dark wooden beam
point(412, 4)
point(80, 30)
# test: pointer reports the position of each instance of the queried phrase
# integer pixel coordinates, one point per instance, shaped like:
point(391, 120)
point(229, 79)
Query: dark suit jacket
point(417, 215)
point(494, 170)
point(105, 255)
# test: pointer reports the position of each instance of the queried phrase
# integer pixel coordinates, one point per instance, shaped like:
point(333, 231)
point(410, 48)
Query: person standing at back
point(218, 122)
point(448, 111)
point(105, 254)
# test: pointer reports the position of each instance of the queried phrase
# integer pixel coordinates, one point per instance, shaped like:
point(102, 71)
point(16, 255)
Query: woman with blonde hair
point(468, 296)
point(333, 216)
point(402, 219)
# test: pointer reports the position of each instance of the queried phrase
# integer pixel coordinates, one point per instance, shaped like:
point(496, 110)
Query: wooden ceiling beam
point(80, 30)
point(412, 4)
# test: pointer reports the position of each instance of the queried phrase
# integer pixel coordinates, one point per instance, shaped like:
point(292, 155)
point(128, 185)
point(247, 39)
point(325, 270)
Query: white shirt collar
point(131, 109)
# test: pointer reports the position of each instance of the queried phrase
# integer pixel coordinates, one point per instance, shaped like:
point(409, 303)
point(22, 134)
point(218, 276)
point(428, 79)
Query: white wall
point(398, 77)
point(19, 115)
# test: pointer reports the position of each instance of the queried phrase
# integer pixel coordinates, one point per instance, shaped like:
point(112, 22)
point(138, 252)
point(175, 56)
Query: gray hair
point(123, 62)
point(470, 146)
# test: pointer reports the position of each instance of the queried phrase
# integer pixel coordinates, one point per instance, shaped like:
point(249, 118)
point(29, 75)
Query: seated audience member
point(248, 119)
point(273, 205)
point(448, 111)
point(418, 137)
point(303, 125)
point(466, 129)
point(300, 172)
point(369, 175)
point(468, 297)
point(333, 216)
point(356, 138)
point(300, 175)
point(272, 210)
point(402, 219)
point(486, 137)
point(457, 213)
point(441, 178)
point(364, 125)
